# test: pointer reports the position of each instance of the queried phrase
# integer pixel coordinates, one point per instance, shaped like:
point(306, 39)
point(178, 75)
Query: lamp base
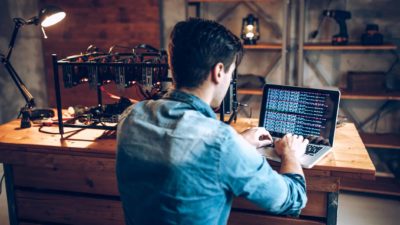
point(25, 114)
point(250, 42)
point(38, 114)
point(28, 114)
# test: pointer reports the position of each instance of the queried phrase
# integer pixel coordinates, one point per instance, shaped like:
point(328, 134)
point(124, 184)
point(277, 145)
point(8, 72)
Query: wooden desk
point(72, 181)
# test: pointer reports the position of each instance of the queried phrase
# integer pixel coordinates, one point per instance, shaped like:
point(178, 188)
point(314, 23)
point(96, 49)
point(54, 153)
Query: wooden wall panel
point(103, 23)
point(24, 223)
point(316, 205)
point(240, 218)
point(66, 180)
point(65, 173)
point(67, 209)
point(61, 160)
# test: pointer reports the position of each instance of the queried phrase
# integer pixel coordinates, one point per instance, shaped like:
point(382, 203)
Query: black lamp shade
point(250, 30)
point(50, 15)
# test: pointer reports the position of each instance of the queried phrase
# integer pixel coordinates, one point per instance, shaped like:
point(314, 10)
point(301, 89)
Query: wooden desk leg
point(331, 218)
point(12, 208)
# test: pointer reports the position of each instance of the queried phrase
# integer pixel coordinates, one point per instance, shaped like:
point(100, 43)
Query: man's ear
point(216, 73)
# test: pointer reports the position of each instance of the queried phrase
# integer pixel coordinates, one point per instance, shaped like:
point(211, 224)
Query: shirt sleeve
point(246, 173)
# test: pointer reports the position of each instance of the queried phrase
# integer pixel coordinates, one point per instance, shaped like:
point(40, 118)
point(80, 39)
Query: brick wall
point(102, 23)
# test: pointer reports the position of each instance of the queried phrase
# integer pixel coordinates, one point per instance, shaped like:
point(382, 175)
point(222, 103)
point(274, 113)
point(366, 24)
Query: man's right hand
point(291, 145)
point(290, 148)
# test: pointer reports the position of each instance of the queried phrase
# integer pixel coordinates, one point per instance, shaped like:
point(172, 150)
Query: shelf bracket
point(385, 106)
point(317, 72)
point(272, 66)
point(224, 14)
point(349, 114)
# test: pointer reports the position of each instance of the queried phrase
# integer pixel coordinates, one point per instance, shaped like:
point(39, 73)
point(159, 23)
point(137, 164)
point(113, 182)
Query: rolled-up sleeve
point(246, 173)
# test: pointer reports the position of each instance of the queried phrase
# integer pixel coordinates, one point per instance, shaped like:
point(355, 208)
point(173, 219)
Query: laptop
point(309, 112)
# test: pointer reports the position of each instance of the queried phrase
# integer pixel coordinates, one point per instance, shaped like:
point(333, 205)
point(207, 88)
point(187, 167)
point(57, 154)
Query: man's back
point(171, 172)
point(176, 164)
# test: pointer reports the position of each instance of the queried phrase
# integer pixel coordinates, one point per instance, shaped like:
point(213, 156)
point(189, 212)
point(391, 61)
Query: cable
point(48, 132)
point(147, 47)
point(113, 96)
point(119, 46)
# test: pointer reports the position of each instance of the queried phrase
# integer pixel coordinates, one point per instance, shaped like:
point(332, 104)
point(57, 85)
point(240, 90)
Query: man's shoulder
point(205, 126)
point(178, 118)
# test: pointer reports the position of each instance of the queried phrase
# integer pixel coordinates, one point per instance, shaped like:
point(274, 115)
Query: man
point(177, 164)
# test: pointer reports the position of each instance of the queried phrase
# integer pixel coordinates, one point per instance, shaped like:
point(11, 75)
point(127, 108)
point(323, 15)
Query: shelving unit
point(250, 91)
point(283, 47)
point(264, 46)
point(344, 94)
point(382, 185)
point(372, 140)
point(349, 47)
point(370, 96)
point(301, 50)
point(382, 141)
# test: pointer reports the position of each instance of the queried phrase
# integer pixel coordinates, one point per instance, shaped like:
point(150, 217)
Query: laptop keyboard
point(312, 149)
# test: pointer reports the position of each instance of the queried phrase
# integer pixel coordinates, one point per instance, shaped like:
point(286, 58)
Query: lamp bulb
point(53, 19)
point(250, 35)
point(250, 27)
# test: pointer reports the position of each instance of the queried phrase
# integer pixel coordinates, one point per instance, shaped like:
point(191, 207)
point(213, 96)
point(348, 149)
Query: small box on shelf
point(372, 82)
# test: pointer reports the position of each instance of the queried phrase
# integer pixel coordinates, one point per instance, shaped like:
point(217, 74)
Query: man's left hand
point(257, 136)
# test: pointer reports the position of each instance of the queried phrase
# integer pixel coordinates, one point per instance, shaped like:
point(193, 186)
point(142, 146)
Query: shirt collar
point(192, 100)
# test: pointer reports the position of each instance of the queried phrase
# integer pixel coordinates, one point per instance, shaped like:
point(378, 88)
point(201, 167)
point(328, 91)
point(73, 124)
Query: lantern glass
point(250, 30)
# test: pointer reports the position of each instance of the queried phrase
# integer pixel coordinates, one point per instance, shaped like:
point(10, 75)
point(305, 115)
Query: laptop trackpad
point(269, 153)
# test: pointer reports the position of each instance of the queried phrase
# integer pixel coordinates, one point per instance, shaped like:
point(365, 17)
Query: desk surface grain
point(349, 157)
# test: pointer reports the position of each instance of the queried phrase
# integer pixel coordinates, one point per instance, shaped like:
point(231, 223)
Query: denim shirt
point(177, 164)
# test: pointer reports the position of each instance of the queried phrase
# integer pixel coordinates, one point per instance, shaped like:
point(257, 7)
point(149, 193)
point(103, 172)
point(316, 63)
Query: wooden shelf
point(222, 1)
point(381, 140)
point(264, 46)
point(370, 96)
point(349, 47)
point(244, 91)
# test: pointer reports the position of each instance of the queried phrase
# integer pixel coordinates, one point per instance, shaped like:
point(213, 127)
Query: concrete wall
point(333, 65)
point(27, 58)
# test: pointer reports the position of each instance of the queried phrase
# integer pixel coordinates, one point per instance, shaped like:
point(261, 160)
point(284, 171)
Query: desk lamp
point(250, 30)
point(48, 16)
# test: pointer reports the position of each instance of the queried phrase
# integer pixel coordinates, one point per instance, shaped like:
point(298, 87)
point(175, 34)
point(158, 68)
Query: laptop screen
point(309, 112)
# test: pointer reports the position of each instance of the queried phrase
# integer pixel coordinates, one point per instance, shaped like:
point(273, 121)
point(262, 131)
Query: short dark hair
point(196, 46)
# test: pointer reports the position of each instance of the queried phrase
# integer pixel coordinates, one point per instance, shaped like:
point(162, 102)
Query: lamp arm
point(5, 60)
point(18, 24)
point(30, 102)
